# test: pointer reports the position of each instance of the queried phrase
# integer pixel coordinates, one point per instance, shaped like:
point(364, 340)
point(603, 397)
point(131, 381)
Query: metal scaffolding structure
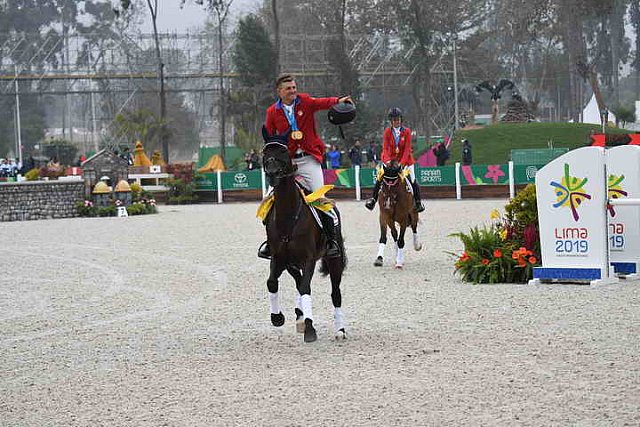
point(87, 80)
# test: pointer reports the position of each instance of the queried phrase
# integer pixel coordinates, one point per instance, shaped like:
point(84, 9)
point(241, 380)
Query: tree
point(624, 115)
point(254, 57)
point(220, 10)
point(153, 11)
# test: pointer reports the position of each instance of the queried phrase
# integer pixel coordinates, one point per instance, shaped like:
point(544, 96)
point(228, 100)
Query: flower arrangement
point(505, 250)
point(88, 209)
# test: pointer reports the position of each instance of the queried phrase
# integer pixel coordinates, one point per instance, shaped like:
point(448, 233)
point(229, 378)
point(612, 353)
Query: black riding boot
point(416, 197)
point(333, 247)
point(371, 203)
point(264, 251)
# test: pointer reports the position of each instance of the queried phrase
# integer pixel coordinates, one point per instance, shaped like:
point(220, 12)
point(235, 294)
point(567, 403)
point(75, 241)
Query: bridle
point(390, 179)
point(276, 165)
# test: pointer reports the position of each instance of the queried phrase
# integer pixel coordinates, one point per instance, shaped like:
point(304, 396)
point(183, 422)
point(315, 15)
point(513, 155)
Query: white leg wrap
point(400, 256)
point(381, 249)
point(305, 302)
point(338, 319)
point(274, 303)
point(298, 303)
point(416, 242)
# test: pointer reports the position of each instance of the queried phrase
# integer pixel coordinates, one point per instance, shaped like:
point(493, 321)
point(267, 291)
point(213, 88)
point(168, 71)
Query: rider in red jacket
point(294, 112)
point(396, 144)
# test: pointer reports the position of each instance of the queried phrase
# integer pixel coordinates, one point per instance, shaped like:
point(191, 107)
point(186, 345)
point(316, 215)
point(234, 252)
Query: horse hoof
point(310, 334)
point(340, 335)
point(378, 262)
point(399, 266)
point(417, 247)
point(277, 319)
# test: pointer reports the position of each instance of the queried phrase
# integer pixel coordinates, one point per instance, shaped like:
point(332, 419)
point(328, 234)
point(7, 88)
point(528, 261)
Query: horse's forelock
point(274, 143)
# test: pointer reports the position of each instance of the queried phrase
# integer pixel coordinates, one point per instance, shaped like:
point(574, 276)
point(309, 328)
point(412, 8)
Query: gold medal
point(296, 135)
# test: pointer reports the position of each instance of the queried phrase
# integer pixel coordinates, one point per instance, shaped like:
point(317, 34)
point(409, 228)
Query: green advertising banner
point(206, 181)
point(525, 174)
point(434, 176)
point(244, 180)
point(367, 177)
point(484, 175)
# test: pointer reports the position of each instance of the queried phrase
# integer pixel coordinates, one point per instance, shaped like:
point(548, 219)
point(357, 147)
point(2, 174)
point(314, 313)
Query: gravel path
point(163, 320)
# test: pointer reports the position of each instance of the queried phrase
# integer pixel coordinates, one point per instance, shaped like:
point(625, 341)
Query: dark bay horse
point(297, 242)
point(396, 207)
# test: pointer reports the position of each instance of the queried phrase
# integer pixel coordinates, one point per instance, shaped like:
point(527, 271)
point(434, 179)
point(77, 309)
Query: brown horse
point(297, 242)
point(396, 207)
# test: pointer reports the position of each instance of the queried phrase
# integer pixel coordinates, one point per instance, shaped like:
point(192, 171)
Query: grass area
point(493, 144)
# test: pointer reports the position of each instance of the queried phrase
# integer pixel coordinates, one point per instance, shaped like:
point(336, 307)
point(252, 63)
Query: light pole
point(455, 84)
point(18, 124)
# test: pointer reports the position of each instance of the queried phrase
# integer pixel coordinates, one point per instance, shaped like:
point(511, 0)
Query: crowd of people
point(9, 168)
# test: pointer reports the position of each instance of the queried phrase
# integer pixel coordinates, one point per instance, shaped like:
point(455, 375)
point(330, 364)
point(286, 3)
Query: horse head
point(391, 170)
point(276, 162)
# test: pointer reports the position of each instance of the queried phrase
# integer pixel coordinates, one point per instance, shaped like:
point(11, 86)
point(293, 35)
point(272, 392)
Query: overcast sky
point(173, 19)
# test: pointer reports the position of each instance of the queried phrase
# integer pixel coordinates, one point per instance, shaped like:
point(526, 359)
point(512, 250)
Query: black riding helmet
point(341, 113)
point(395, 113)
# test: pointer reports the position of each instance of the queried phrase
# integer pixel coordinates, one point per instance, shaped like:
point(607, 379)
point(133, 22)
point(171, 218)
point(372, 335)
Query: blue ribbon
point(396, 137)
point(291, 118)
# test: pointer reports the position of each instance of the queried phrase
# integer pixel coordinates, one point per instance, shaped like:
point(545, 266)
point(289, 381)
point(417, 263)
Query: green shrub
point(86, 208)
point(181, 192)
point(32, 175)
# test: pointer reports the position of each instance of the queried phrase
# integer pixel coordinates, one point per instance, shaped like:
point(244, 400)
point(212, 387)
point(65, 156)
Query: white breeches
point(310, 171)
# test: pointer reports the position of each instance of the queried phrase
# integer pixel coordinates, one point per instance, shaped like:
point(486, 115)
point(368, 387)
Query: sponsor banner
point(443, 175)
point(344, 177)
point(206, 181)
point(525, 174)
point(242, 180)
point(484, 174)
point(367, 177)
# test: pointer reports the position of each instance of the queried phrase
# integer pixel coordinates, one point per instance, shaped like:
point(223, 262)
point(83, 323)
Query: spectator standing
point(355, 154)
point(373, 154)
point(441, 153)
point(254, 160)
point(126, 155)
point(333, 156)
point(466, 152)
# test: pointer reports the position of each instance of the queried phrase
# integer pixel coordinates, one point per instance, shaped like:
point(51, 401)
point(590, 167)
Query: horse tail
point(324, 266)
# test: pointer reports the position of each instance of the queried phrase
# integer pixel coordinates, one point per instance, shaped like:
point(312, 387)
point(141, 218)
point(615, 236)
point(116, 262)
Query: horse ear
point(265, 133)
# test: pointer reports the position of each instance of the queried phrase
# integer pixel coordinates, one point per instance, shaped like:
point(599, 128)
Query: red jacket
point(404, 153)
point(304, 107)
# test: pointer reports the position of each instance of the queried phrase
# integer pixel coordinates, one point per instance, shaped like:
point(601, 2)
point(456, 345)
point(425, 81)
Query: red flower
point(485, 261)
point(532, 260)
point(531, 236)
point(497, 253)
point(464, 257)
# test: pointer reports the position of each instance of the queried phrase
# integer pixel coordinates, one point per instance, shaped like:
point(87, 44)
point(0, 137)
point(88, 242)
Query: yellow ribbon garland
point(316, 200)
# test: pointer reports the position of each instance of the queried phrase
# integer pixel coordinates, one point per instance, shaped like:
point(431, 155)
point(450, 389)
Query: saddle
point(315, 200)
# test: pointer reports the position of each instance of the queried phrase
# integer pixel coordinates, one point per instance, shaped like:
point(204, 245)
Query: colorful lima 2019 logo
point(615, 191)
point(570, 192)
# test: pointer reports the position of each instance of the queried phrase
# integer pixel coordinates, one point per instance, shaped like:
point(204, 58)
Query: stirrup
point(370, 204)
point(419, 206)
point(264, 251)
point(333, 249)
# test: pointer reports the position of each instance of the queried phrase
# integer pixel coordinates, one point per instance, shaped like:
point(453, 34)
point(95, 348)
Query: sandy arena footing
point(163, 320)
